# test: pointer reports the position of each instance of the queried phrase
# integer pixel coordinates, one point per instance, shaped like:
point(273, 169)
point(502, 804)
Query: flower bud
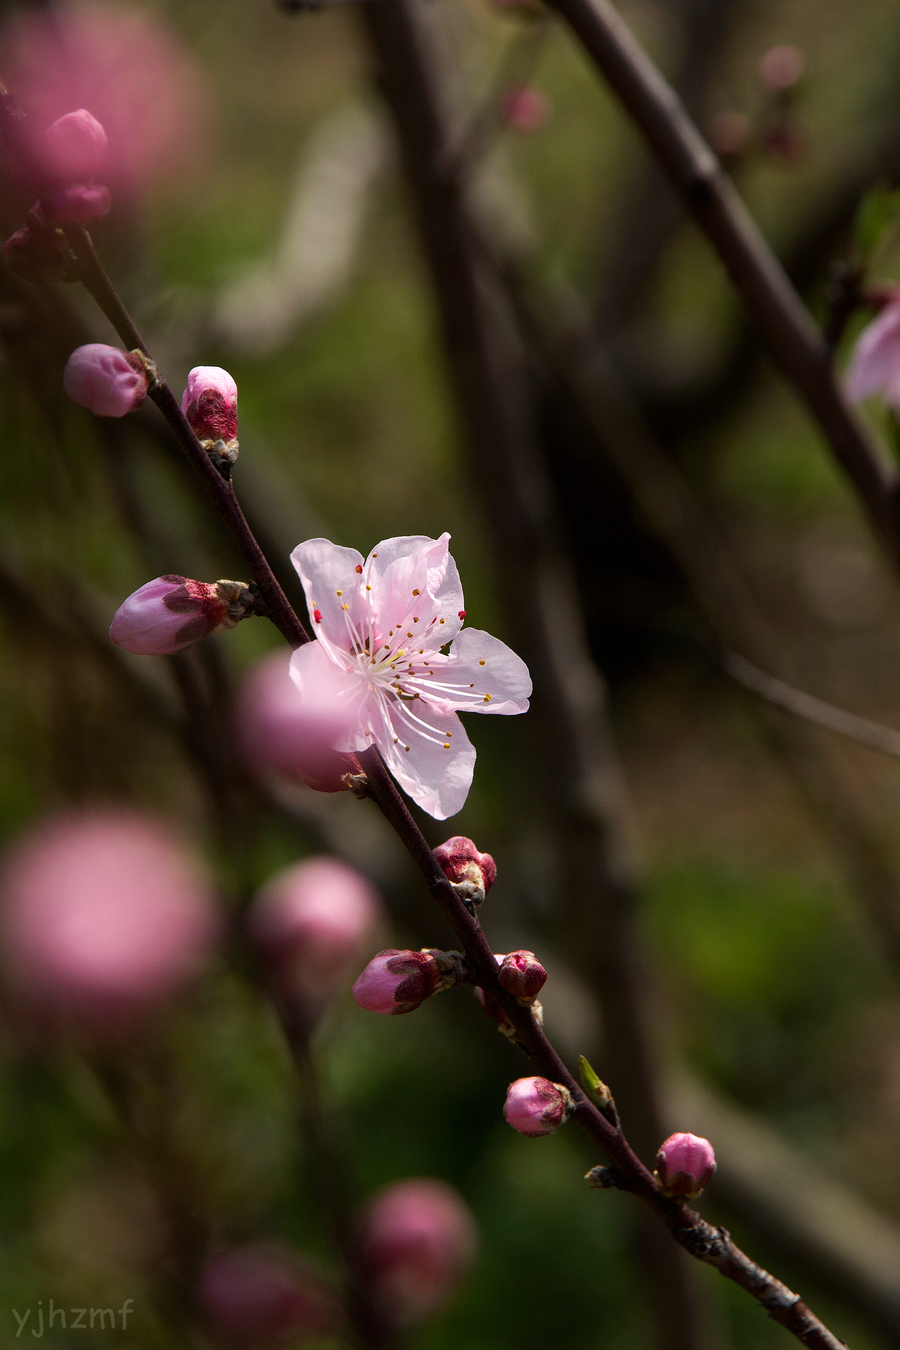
point(262, 1292)
point(108, 381)
point(684, 1164)
point(414, 1241)
point(472, 873)
point(397, 981)
point(525, 108)
point(535, 1106)
point(80, 204)
point(521, 974)
point(172, 612)
point(102, 916)
point(210, 403)
point(310, 921)
point(289, 731)
point(73, 149)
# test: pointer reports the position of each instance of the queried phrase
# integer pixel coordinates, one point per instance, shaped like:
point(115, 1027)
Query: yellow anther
point(416, 592)
point(340, 592)
point(487, 698)
point(481, 663)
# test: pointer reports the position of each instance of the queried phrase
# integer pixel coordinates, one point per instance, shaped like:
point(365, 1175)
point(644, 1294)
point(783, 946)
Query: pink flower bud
point(525, 108)
point(521, 974)
point(781, 68)
point(684, 1164)
point(78, 205)
point(166, 615)
point(414, 1241)
point(261, 1292)
point(535, 1106)
point(310, 922)
point(73, 149)
point(289, 731)
point(210, 403)
point(102, 916)
point(397, 981)
point(875, 364)
point(473, 872)
point(108, 381)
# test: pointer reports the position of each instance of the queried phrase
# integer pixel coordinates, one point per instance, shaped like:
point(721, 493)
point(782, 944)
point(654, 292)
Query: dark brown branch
point(771, 301)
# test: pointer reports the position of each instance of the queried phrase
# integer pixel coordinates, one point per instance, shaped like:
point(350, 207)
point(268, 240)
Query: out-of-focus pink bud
point(684, 1164)
point(210, 403)
point(521, 974)
point(124, 64)
point(781, 68)
point(875, 363)
point(397, 981)
point(310, 922)
point(472, 873)
point(730, 133)
point(288, 729)
point(73, 149)
point(102, 916)
point(104, 379)
point(173, 612)
point(415, 1240)
point(525, 108)
point(265, 1292)
point(535, 1106)
point(78, 205)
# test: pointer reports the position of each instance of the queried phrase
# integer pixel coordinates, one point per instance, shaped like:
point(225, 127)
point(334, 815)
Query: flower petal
point(333, 590)
point(333, 697)
point(437, 768)
point(416, 586)
point(481, 674)
point(876, 358)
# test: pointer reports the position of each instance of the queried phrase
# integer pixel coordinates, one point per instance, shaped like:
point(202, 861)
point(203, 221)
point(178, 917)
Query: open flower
point(383, 625)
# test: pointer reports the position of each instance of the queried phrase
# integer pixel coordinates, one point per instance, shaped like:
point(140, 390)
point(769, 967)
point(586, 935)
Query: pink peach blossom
point(535, 1106)
point(262, 1291)
point(73, 149)
point(685, 1164)
point(311, 920)
point(381, 623)
point(415, 1240)
point(102, 916)
point(397, 981)
point(166, 615)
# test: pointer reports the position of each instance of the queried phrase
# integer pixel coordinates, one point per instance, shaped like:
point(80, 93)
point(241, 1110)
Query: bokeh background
point(748, 864)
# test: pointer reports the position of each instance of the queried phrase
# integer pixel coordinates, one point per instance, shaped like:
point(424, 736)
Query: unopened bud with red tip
point(209, 403)
point(535, 1106)
point(684, 1165)
point(472, 873)
point(414, 1241)
point(73, 149)
point(399, 981)
point(105, 379)
point(264, 1292)
point(173, 612)
point(310, 921)
point(521, 974)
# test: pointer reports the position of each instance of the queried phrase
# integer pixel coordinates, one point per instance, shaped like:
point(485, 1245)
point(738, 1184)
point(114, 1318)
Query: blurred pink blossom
point(525, 108)
point(781, 68)
point(264, 1291)
point(123, 65)
point(415, 1240)
point(103, 914)
point(285, 732)
point(73, 149)
point(311, 920)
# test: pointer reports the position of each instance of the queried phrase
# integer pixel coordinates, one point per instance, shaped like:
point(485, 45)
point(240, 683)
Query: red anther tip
point(317, 615)
point(359, 567)
point(462, 614)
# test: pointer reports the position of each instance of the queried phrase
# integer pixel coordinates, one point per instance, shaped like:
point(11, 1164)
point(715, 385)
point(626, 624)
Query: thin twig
point(771, 301)
point(807, 706)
